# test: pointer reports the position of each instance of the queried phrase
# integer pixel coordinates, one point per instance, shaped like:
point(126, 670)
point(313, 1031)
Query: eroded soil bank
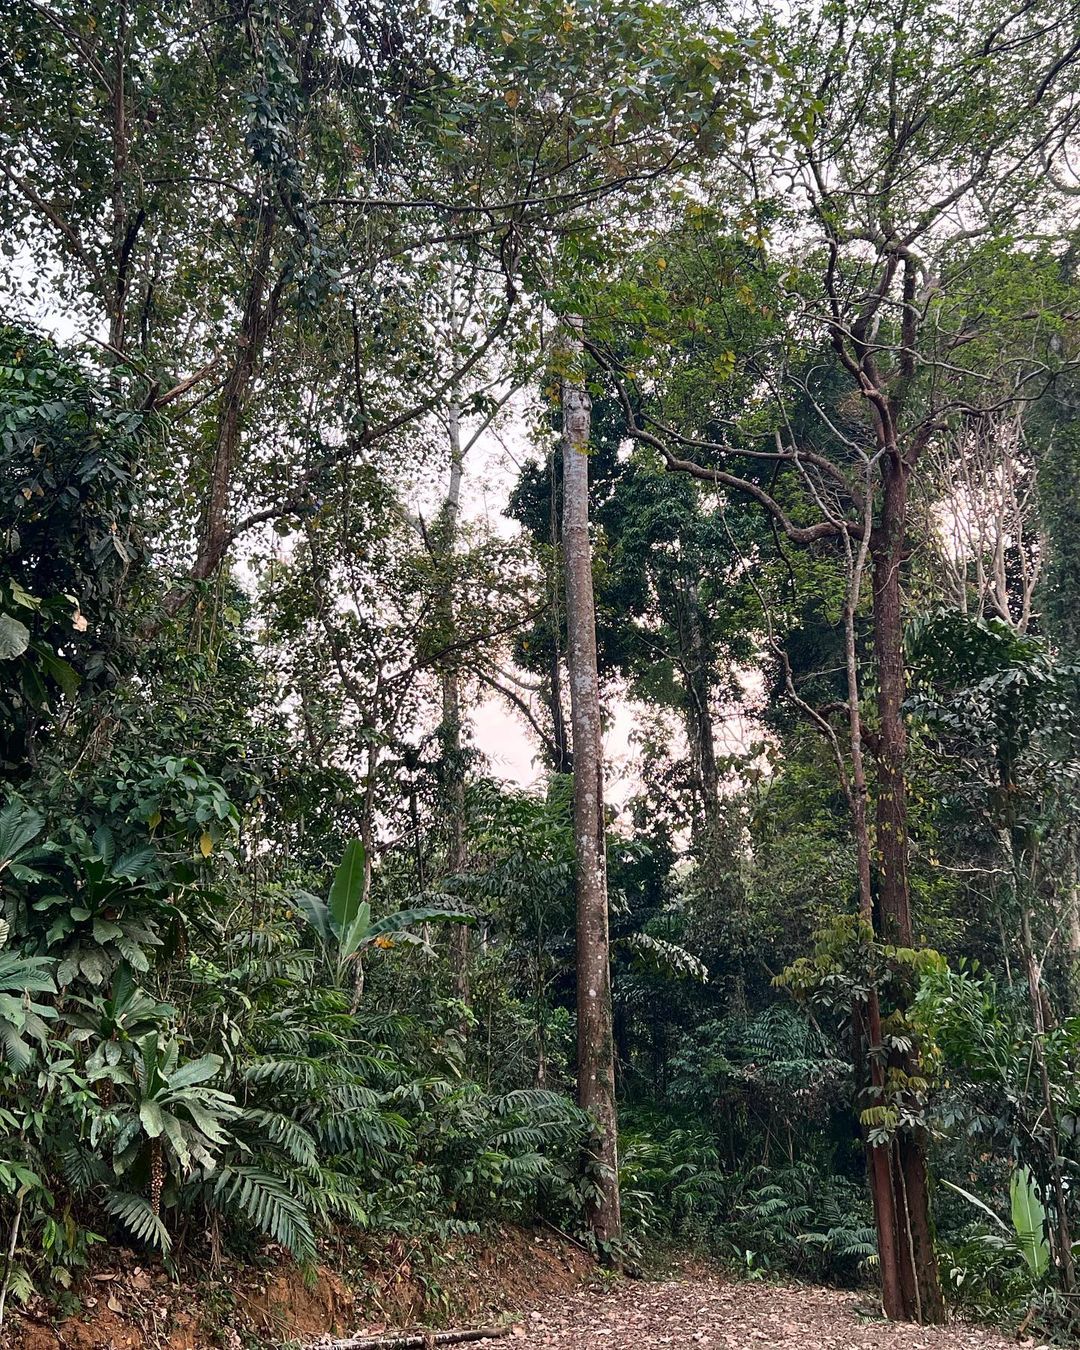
point(129, 1305)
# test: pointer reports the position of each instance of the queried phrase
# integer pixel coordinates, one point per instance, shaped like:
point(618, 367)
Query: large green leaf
point(407, 918)
point(14, 637)
point(65, 675)
point(348, 887)
point(27, 973)
point(315, 912)
point(267, 1202)
point(1029, 1220)
point(175, 1134)
point(19, 825)
point(981, 1204)
point(208, 1123)
point(152, 1117)
point(135, 1214)
point(195, 1071)
point(356, 934)
point(13, 1049)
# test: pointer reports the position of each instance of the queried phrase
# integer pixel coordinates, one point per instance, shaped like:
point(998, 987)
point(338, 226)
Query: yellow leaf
point(661, 263)
point(507, 37)
point(206, 844)
point(154, 821)
point(512, 98)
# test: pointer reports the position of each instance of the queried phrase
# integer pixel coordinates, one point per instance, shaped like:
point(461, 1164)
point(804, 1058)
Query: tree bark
point(916, 1285)
point(595, 1042)
point(260, 313)
point(453, 764)
point(887, 550)
point(562, 761)
point(121, 247)
point(699, 721)
point(868, 1020)
point(253, 329)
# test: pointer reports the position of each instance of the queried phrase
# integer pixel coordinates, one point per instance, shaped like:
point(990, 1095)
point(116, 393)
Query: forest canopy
point(391, 390)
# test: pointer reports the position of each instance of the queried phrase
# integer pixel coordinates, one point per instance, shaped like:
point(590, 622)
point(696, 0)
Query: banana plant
point(1028, 1232)
point(343, 923)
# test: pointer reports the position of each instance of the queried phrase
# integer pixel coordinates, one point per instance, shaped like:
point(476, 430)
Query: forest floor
point(547, 1290)
point(713, 1313)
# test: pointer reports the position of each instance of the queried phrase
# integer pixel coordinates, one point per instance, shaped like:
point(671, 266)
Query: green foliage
point(792, 1217)
point(20, 1016)
point(317, 251)
point(344, 926)
point(1029, 1222)
point(68, 533)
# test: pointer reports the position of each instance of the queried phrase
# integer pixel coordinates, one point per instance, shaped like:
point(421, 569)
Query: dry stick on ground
point(420, 1340)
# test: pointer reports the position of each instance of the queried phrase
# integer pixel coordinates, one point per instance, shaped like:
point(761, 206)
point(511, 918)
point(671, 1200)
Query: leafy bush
point(799, 1218)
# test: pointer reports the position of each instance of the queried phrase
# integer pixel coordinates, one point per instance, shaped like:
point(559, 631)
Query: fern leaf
point(135, 1213)
point(268, 1204)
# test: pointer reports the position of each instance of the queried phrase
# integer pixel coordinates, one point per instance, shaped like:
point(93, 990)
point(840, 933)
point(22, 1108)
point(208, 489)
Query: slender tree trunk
point(121, 248)
point(260, 312)
point(1020, 849)
point(367, 838)
point(562, 762)
point(1072, 928)
point(453, 763)
point(919, 1298)
point(1068, 900)
point(892, 840)
point(253, 327)
point(879, 1156)
point(367, 818)
point(596, 1056)
point(702, 733)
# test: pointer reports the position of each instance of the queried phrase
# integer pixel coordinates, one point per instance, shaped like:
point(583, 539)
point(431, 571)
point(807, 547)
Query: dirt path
point(709, 1314)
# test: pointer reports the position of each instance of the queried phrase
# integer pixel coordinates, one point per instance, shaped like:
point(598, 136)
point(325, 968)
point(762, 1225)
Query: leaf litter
point(711, 1313)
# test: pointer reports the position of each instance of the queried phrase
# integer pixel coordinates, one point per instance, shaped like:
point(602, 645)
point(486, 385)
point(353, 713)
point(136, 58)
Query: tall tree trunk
point(917, 1290)
point(121, 246)
point(260, 312)
point(562, 760)
point(1062, 1236)
point(1020, 847)
point(868, 1013)
point(1067, 894)
point(596, 1053)
point(1072, 928)
point(699, 720)
point(892, 840)
point(1072, 947)
point(453, 764)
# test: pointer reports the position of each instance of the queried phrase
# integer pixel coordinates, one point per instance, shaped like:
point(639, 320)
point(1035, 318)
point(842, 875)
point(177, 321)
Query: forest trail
point(709, 1312)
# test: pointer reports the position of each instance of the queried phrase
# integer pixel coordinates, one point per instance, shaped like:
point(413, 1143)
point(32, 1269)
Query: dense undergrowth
point(209, 1042)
